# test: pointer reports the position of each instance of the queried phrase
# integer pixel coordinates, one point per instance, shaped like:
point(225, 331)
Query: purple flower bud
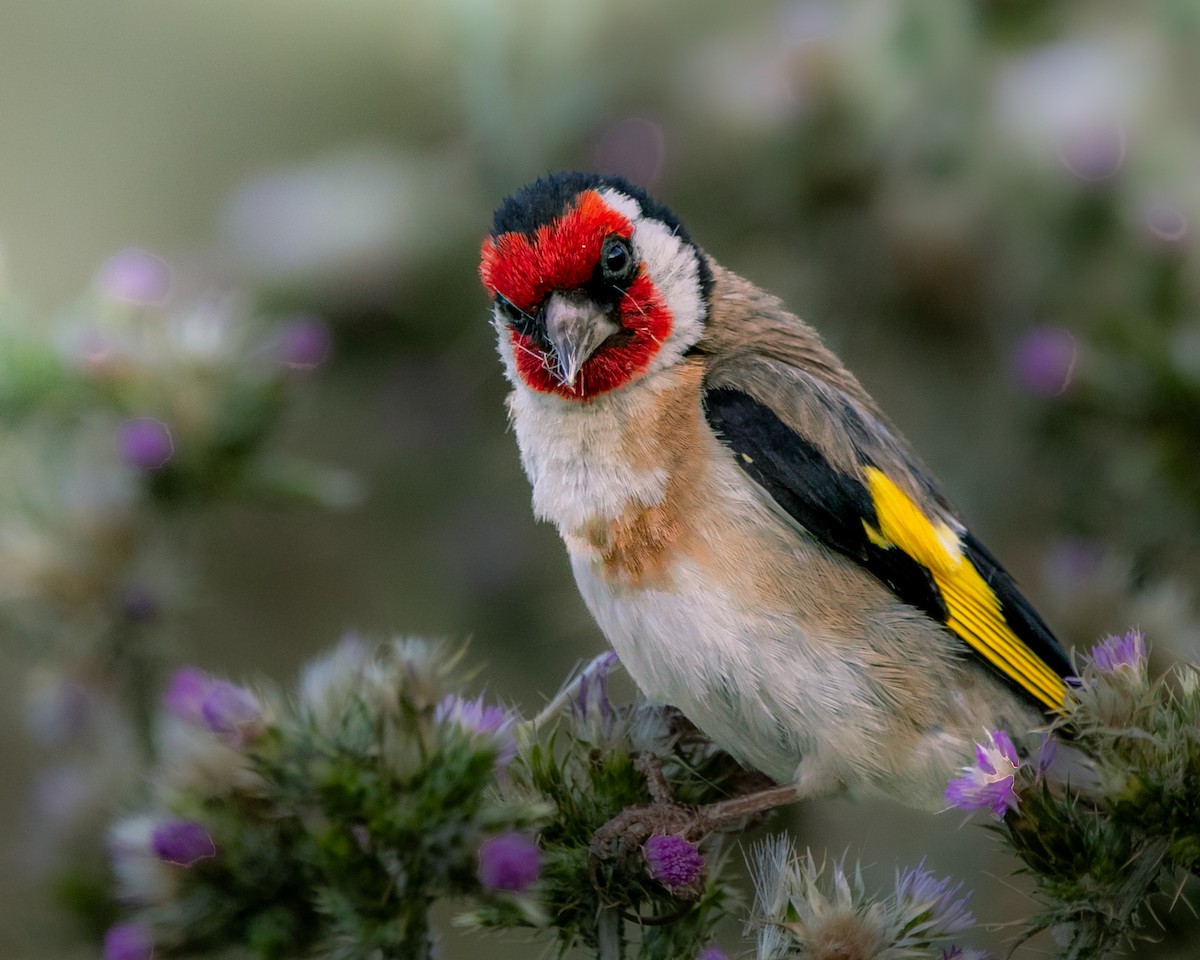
point(712, 952)
point(1121, 653)
point(1166, 222)
point(474, 717)
point(232, 713)
point(509, 862)
point(1046, 752)
point(938, 900)
point(145, 443)
point(1044, 360)
point(185, 694)
point(135, 276)
point(138, 605)
point(182, 842)
point(1094, 152)
point(128, 941)
point(591, 697)
point(303, 343)
point(989, 783)
point(1074, 561)
point(673, 861)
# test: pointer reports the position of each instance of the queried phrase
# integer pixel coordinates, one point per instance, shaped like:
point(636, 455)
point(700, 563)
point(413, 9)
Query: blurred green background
point(985, 207)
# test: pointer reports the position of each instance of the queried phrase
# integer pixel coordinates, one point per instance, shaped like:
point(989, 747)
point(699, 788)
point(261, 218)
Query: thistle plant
point(587, 760)
point(823, 911)
point(329, 823)
point(1105, 815)
point(123, 421)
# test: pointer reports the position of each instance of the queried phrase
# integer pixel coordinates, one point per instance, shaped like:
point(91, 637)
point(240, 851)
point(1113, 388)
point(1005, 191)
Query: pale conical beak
point(575, 327)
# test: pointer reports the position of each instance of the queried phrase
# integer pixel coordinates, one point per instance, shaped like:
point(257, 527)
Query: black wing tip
point(1021, 616)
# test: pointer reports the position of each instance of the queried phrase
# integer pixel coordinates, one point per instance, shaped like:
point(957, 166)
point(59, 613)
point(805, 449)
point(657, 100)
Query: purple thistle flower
point(1166, 222)
point(1121, 653)
point(232, 713)
point(135, 276)
point(989, 783)
point(591, 696)
point(182, 842)
point(955, 952)
point(185, 693)
point(1044, 360)
point(673, 861)
point(935, 899)
point(712, 952)
point(138, 605)
point(145, 443)
point(510, 861)
point(1095, 152)
point(474, 717)
point(303, 343)
point(128, 941)
point(1046, 752)
point(1073, 562)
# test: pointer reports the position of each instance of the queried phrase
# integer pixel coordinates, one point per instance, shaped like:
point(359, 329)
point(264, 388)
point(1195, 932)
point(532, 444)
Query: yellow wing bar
point(974, 610)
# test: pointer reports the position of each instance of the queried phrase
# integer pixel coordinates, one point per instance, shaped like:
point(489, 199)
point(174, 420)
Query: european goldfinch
point(753, 536)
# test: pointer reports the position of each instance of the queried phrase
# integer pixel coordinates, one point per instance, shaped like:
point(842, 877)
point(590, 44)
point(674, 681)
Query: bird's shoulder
point(754, 346)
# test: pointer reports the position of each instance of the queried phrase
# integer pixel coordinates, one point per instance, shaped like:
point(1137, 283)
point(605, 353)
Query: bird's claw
point(630, 828)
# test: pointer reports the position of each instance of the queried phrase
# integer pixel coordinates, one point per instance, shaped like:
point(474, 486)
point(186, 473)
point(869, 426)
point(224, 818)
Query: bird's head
point(594, 285)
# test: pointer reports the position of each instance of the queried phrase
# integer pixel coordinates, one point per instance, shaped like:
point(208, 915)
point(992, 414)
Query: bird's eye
point(616, 258)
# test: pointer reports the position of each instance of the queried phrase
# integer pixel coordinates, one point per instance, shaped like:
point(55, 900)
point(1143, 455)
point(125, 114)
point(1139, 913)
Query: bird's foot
point(630, 828)
point(633, 825)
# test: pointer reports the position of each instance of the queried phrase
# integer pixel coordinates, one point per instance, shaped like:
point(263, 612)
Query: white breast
point(755, 676)
point(573, 456)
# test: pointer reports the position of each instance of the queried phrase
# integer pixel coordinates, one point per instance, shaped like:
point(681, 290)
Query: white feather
point(572, 454)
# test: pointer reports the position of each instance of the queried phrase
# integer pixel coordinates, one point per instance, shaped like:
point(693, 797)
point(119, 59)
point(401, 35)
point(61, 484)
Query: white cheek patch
point(674, 268)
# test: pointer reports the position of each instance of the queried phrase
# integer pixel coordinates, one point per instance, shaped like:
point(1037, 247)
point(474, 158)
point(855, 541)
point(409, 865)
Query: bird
point(757, 541)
